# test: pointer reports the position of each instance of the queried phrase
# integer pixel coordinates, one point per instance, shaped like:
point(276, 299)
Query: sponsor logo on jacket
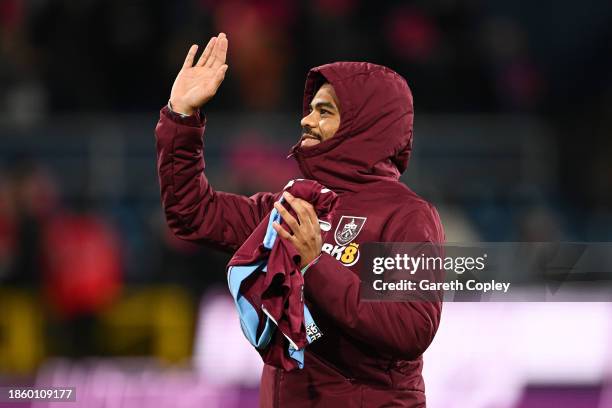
point(348, 255)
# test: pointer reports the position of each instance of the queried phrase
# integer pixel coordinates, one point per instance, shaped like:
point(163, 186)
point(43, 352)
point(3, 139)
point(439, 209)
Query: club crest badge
point(348, 228)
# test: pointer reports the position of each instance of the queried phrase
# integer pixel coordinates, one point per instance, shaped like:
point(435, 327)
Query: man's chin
point(309, 142)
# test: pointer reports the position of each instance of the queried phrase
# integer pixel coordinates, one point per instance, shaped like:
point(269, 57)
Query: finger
point(207, 51)
point(299, 206)
point(314, 219)
point(190, 56)
point(310, 213)
point(221, 51)
point(213, 52)
point(312, 216)
point(282, 232)
point(220, 75)
point(288, 218)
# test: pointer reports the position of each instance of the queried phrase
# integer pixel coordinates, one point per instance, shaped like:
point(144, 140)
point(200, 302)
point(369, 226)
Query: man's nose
point(308, 121)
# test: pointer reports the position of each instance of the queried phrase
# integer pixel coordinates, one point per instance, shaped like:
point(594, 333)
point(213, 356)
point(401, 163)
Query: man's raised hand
point(197, 84)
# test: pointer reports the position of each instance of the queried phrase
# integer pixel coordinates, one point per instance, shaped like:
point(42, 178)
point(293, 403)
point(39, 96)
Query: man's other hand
point(306, 234)
point(197, 84)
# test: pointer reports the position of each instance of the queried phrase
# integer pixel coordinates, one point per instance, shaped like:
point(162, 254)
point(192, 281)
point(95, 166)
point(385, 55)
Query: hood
point(374, 140)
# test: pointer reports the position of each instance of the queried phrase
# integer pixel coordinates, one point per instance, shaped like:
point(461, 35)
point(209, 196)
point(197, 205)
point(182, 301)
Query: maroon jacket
point(370, 355)
point(280, 289)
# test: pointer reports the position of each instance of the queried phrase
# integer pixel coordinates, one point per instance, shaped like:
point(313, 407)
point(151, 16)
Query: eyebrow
point(323, 105)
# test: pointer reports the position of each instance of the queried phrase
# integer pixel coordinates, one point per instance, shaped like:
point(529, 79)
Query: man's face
point(324, 118)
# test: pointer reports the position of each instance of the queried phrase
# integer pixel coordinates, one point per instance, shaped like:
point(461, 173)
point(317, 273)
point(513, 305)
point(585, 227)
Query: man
point(356, 141)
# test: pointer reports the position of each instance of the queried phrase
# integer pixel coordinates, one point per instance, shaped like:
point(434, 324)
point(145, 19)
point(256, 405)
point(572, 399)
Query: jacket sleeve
point(194, 210)
point(402, 329)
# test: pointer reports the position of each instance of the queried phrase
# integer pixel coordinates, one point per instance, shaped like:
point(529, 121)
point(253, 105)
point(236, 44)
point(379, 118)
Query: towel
point(267, 285)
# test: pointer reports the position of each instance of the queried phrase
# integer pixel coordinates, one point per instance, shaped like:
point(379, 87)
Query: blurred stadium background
point(512, 143)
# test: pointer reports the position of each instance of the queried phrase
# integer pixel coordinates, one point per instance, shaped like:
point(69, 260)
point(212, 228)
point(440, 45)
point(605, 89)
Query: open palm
point(197, 84)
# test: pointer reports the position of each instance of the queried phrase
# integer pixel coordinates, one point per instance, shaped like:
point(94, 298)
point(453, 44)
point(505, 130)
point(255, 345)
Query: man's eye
point(324, 111)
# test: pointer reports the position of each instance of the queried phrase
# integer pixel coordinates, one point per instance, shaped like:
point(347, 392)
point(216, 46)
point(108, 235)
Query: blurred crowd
point(459, 56)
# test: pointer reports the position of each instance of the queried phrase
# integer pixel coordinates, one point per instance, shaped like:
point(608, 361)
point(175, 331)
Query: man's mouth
point(310, 136)
point(309, 140)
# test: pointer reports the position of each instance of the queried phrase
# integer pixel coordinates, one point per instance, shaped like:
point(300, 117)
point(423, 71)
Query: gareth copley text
point(426, 285)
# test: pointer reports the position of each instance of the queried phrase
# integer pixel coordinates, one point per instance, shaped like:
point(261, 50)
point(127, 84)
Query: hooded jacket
point(371, 353)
